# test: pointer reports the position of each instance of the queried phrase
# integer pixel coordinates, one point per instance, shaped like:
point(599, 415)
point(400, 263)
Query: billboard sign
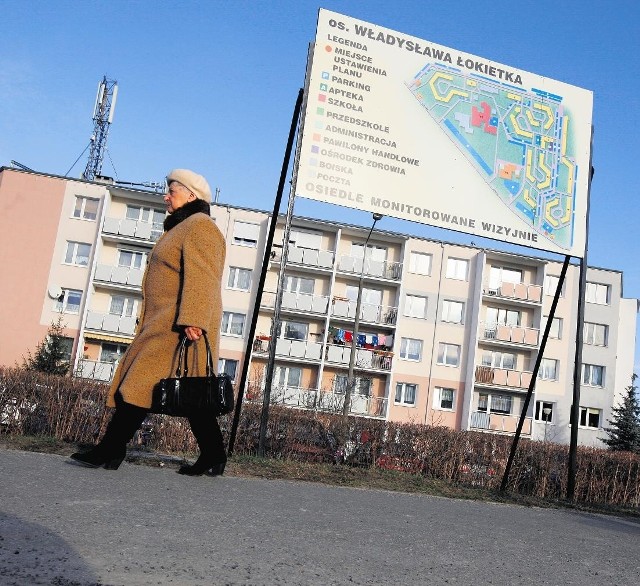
point(407, 128)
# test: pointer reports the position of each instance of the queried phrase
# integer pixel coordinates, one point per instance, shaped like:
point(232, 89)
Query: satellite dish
point(54, 291)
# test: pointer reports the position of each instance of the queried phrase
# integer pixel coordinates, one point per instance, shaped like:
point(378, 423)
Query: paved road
point(64, 525)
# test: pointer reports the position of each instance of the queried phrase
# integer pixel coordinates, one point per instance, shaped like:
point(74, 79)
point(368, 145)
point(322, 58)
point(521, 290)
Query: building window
point(503, 317)
point(288, 377)
point(499, 275)
point(361, 386)
point(457, 268)
point(411, 349)
point(228, 366)
point(415, 306)
point(544, 411)
point(295, 330)
point(590, 417)
point(420, 263)
point(123, 306)
point(66, 345)
point(112, 352)
point(131, 259)
point(593, 375)
point(597, 293)
point(595, 334)
point(448, 354)
point(77, 254)
point(556, 327)
point(548, 369)
point(443, 398)
point(499, 360)
point(501, 404)
point(86, 208)
point(239, 279)
point(305, 239)
point(374, 252)
point(245, 233)
point(452, 311)
point(551, 284)
point(406, 394)
point(69, 301)
point(153, 216)
point(295, 284)
point(232, 323)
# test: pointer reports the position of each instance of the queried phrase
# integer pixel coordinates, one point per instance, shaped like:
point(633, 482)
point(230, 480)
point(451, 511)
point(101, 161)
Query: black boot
point(112, 449)
point(213, 457)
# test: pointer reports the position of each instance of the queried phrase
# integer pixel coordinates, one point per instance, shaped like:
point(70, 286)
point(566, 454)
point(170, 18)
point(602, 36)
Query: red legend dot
point(328, 48)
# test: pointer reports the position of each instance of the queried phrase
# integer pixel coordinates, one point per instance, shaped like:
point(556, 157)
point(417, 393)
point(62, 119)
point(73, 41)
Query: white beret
point(195, 183)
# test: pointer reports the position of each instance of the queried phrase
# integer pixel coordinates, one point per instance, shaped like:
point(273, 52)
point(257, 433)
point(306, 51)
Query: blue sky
point(212, 86)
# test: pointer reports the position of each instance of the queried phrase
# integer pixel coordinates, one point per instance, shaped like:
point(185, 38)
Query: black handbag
point(184, 395)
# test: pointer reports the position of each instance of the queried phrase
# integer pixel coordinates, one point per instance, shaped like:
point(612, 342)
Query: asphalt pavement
point(65, 525)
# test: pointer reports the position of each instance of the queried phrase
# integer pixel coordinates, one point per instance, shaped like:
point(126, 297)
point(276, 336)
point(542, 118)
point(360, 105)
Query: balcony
point(343, 307)
point(96, 370)
point(119, 275)
point(504, 378)
point(306, 257)
point(302, 302)
point(519, 292)
point(132, 229)
point(107, 322)
point(505, 334)
point(379, 269)
point(498, 423)
point(327, 401)
point(298, 350)
point(365, 359)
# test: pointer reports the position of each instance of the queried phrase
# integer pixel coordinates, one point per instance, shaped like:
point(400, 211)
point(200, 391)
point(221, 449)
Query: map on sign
point(518, 140)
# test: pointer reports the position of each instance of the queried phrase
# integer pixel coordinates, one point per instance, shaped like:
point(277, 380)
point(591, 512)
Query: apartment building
point(448, 334)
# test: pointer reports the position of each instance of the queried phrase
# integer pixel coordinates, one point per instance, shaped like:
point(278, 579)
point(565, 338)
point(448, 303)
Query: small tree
point(624, 433)
point(51, 353)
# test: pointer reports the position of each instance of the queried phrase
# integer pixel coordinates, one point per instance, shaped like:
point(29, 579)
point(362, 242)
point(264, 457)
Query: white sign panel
point(407, 128)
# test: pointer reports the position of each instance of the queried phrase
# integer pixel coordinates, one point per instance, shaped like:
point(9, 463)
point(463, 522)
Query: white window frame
point(135, 254)
point(61, 304)
point(282, 377)
point(584, 415)
point(598, 293)
point(71, 255)
point(499, 360)
point(539, 411)
point(415, 300)
point(129, 306)
point(308, 239)
point(590, 334)
point(444, 350)
point(401, 396)
point(80, 211)
point(229, 317)
point(551, 284)
point(450, 316)
point(296, 284)
point(555, 331)
point(361, 385)
point(119, 353)
point(499, 275)
point(438, 398)
point(417, 260)
point(404, 349)
point(234, 278)
point(588, 375)
point(288, 323)
point(544, 372)
point(245, 233)
point(222, 367)
point(455, 268)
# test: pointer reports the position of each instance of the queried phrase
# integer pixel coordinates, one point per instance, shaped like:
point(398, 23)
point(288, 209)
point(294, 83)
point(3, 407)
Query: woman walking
point(181, 297)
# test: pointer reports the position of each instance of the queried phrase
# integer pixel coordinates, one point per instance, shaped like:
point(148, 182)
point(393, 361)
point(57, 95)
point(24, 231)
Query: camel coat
point(181, 287)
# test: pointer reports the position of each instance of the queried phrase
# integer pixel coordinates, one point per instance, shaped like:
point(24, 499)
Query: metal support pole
point(263, 274)
point(351, 381)
point(534, 374)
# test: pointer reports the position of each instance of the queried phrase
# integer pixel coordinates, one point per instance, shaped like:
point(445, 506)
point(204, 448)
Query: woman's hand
point(193, 332)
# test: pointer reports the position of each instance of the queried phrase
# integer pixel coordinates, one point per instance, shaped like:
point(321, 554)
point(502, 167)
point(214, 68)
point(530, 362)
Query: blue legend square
point(325, 75)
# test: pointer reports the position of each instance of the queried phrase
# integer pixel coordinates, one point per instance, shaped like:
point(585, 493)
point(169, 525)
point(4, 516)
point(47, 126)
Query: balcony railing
point(299, 349)
point(498, 423)
point(365, 359)
point(327, 401)
point(372, 268)
point(369, 312)
point(305, 302)
point(119, 275)
point(106, 322)
point(132, 228)
point(503, 377)
point(97, 370)
point(516, 291)
point(307, 257)
point(512, 334)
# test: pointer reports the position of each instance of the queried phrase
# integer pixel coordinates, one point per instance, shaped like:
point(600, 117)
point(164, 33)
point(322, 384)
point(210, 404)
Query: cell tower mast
point(102, 118)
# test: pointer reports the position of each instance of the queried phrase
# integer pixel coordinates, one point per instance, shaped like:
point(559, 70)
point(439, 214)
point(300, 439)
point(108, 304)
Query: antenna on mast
point(102, 118)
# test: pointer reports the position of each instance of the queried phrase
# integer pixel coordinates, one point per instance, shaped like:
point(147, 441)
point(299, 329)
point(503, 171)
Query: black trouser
point(128, 418)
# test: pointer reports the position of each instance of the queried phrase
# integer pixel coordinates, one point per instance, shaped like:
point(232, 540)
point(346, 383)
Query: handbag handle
point(183, 357)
